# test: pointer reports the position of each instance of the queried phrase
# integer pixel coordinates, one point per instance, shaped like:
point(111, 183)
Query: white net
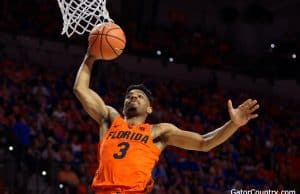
point(81, 16)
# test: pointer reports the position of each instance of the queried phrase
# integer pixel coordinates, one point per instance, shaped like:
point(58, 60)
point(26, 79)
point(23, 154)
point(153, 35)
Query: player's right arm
point(92, 103)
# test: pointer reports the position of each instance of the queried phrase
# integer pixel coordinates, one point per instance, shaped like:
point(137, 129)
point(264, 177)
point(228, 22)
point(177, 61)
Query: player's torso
point(127, 156)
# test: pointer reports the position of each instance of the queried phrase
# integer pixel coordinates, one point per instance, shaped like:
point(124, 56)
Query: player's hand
point(243, 113)
point(89, 56)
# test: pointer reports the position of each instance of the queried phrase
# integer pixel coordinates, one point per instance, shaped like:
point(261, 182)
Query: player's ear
point(149, 110)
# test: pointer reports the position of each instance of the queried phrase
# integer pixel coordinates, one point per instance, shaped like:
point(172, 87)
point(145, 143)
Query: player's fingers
point(250, 106)
point(254, 108)
point(245, 104)
point(253, 116)
point(229, 104)
point(252, 103)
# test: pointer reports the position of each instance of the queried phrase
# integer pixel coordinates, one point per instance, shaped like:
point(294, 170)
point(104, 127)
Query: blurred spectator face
point(67, 167)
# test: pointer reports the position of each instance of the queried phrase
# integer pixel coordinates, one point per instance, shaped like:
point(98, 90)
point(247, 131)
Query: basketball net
point(81, 16)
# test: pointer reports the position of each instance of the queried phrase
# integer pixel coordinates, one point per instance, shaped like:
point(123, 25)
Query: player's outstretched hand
point(243, 113)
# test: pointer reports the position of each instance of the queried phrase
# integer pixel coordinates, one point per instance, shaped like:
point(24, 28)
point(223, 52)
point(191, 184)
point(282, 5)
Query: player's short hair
point(143, 88)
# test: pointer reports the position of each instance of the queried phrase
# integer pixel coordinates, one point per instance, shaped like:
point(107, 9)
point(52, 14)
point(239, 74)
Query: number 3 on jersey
point(123, 150)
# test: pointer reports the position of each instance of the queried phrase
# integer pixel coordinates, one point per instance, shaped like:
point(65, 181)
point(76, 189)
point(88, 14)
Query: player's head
point(138, 100)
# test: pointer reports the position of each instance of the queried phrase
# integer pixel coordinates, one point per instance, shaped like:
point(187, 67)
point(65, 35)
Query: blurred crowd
point(194, 45)
point(55, 142)
point(43, 19)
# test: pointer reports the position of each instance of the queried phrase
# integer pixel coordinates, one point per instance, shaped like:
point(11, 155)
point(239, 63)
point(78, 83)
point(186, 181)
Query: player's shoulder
point(162, 128)
point(164, 125)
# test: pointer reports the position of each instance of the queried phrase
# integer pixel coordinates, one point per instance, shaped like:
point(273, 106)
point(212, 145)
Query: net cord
point(80, 16)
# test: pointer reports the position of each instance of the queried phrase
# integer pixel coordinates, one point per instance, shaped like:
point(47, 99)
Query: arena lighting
point(44, 173)
point(272, 45)
point(294, 56)
point(61, 186)
point(158, 52)
point(171, 59)
point(10, 148)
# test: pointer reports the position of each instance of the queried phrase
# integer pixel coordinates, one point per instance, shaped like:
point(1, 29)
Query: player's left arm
point(171, 135)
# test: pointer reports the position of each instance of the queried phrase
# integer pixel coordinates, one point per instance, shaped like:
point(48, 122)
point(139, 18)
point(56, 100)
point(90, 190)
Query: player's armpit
point(112, 113)
point(105, 123)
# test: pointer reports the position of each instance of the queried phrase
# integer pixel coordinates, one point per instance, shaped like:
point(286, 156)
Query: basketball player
point(129, 147)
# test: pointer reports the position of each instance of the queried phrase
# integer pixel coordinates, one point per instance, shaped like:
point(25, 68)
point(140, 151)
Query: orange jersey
point(127, 156)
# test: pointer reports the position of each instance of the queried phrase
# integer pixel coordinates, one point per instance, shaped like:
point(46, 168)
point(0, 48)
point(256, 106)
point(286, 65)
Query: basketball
point(106, 41)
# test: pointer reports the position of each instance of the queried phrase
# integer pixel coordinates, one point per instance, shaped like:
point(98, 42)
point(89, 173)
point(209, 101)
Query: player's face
point(136, 103)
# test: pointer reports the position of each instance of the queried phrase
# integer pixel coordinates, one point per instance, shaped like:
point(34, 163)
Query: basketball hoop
point(81, 16)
